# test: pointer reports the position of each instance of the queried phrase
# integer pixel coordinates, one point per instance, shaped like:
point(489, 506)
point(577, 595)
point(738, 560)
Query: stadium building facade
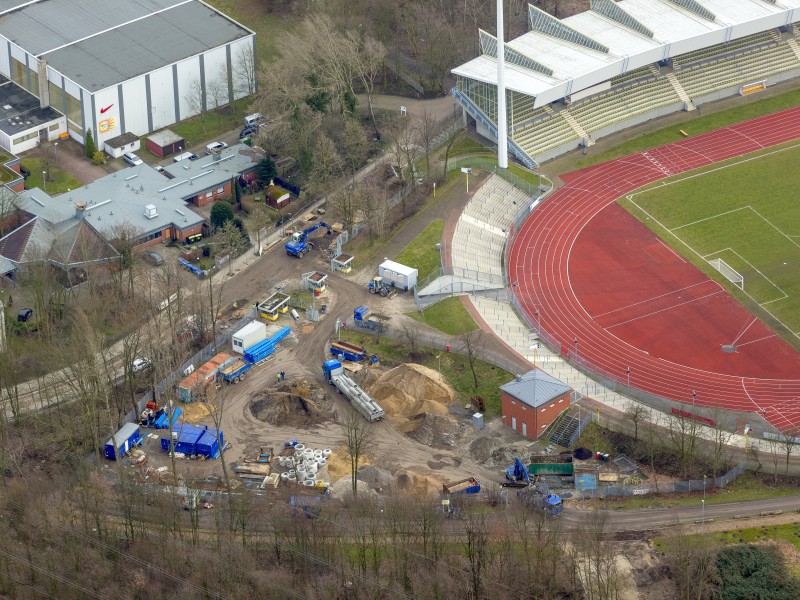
point(118, 66)
point(569, 82)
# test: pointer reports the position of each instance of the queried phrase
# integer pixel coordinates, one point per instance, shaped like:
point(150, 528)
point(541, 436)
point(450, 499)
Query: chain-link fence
point(666, 487)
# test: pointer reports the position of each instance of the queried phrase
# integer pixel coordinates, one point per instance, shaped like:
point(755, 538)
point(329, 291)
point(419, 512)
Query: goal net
point(728, 272)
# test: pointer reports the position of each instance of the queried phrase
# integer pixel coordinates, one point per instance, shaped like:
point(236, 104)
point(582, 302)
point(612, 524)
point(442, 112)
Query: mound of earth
point(339, 463)
point(438, 431)
point(416, 483)
point(295, 405)
point(411, 390)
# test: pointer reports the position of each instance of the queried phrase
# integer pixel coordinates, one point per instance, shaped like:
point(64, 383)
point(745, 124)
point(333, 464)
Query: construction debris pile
point(304, 466)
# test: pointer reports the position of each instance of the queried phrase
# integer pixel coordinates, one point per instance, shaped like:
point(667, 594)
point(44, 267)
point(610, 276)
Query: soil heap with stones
point(295, 405)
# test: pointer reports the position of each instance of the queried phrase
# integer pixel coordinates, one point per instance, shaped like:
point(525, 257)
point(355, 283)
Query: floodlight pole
point(502, 129)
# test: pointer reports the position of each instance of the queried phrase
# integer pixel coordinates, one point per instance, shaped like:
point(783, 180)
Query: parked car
point(216, 147)
point(132, 159)
point(154, 258)
point(25, 315)
point(283, 219)
point(248, 131)
point(140, 364)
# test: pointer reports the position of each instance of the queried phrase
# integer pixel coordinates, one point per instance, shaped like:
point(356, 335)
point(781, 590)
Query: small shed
point(398, 275)
point(342, 263)
point(117, 146)
point(165, 143)
point(277, 197)
point(315, 281)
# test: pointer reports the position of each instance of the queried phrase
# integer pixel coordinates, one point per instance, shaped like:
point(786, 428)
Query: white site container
point(248, 336)
point(400, 276)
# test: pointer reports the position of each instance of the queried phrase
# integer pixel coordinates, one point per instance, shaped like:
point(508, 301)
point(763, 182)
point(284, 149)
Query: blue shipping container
point(127, 437)
point(184, 439)
point(208, 445)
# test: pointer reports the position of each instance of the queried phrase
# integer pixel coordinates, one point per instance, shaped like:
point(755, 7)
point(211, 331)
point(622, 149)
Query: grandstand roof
point(634, 32)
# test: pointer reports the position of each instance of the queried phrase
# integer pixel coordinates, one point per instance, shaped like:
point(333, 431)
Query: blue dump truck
point(469, 485)
point(121, 442)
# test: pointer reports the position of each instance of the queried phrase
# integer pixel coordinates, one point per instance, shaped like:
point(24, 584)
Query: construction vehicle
point(371, 322)
point(378, 286)
point(517, 475)
point(360, 400)
point(274, 306)
point(300, 244)
point(348, 351)
point(235, 372)
point(469, 485)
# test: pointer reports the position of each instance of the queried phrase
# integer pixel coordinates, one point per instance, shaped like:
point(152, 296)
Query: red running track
point(598, 276)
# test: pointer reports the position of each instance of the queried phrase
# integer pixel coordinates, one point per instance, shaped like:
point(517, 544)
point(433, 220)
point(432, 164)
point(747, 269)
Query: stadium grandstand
point(570, 82)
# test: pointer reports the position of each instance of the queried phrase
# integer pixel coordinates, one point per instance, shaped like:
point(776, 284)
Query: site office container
point(189, 388)
point(398, 275)
point(118, 445)
point(184, 439)
point(248, 336)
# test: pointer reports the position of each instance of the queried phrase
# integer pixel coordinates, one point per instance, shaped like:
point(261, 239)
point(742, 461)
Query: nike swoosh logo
point(104, 110)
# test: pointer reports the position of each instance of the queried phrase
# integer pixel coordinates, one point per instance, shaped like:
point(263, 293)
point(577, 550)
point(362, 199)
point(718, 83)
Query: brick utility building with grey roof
point(121, 66)
point(533, 401)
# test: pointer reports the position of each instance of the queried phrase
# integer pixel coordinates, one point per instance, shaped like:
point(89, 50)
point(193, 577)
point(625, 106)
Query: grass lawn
point(454, 367)
point(58, 181)
point(421, 253)
point(788, 533)
point(744, 488)
point(722, 213)
point(465, 145)
point(448, 316)
point(695, 125)
point(213, 123)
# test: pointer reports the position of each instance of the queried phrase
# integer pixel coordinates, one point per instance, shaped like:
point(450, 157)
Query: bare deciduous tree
point(472, 342)
point(244, 71)
point(195, 99)
point(683, 431)
point(636, 413)
point(358, 436)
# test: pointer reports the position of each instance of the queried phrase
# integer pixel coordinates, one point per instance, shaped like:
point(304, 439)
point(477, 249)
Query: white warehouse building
point(121, 66)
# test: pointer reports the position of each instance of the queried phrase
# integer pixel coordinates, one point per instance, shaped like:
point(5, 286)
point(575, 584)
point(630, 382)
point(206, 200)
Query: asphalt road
point(659, 518)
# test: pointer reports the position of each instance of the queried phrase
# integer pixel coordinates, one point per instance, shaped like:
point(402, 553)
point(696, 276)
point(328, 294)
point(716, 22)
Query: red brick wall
point(202, 199)
point(182, 235)
point(537, 420)
point(18, 187)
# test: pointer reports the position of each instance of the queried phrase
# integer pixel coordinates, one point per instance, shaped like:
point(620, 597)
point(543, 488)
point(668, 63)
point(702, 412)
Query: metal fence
point(667, 487)
point(166, 385)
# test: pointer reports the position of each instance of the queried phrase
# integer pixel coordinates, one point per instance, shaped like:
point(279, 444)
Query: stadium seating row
point(680, 61)
point(737, 70)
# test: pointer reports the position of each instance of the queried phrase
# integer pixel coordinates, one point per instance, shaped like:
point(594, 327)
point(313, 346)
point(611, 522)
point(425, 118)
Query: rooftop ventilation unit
point(7, 107)
point(150, 211)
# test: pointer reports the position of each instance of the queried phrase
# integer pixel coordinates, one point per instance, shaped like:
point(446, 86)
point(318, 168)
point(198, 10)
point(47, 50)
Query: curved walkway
point(542, 260)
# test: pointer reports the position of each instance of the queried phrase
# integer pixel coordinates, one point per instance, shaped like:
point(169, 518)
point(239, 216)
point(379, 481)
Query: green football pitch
point(745, 212)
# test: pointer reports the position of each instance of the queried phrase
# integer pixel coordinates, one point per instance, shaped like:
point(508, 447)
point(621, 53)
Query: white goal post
point(730, 274)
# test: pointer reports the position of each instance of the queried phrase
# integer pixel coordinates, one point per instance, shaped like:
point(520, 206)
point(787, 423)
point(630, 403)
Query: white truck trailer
point(366, 406)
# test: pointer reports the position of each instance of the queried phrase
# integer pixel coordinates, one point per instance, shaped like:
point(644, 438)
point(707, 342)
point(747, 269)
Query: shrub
point(99, 157)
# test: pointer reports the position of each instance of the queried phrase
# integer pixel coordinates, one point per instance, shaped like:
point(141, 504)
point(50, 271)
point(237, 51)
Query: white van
point(253, 119)
point(184, 156)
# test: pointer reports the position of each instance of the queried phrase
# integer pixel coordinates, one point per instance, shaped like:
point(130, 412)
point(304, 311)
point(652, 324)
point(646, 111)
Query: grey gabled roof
point(535, 388)
point(101, 44)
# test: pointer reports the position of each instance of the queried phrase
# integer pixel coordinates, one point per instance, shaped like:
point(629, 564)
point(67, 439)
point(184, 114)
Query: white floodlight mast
point(502, 130)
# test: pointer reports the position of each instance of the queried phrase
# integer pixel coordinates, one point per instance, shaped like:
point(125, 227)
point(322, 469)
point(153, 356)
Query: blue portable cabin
point(208, 445)
point(184, 439)
point(117, 445)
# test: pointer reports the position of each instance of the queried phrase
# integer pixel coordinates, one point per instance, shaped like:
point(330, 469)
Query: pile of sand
point(415, 483)
point(338, 465)
point(411, 390)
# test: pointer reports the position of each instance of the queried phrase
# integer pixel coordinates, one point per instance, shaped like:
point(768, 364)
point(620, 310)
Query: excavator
point(300, 244)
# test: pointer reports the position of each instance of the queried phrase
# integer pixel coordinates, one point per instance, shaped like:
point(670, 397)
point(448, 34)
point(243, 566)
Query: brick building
point(532, 402)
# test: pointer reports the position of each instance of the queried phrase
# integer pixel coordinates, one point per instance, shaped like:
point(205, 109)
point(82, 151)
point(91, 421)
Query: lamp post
point(703, 516)
point(538, 322)
point(55, 151)
point(576, 347)
point(44, 180)
point(694, 397)
point(629, 378)
point(439, 363)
